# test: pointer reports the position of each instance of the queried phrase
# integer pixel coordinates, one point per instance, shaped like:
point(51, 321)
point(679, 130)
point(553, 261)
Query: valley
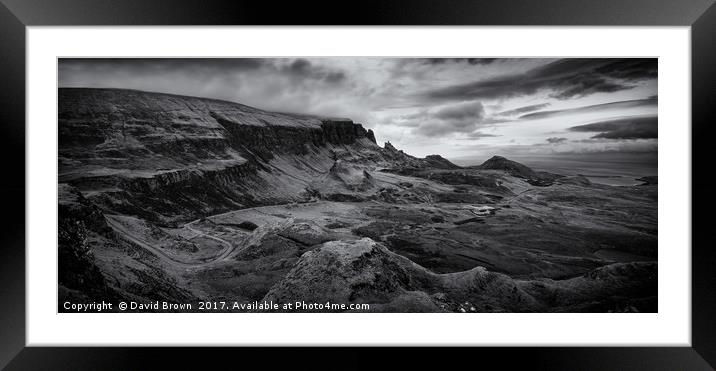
point(185, 199)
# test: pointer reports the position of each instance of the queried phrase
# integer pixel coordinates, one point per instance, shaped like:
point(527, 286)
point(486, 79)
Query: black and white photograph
point(357, 184)
point(510, 182)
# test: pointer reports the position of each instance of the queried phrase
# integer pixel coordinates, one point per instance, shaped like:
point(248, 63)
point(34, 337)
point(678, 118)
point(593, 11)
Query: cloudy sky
point(456, 107)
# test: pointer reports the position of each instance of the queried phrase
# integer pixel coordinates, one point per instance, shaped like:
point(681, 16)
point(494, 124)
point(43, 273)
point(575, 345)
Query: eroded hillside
point(186, 199)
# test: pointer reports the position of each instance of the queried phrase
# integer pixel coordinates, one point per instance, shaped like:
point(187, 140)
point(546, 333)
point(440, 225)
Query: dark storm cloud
point(473, 61)
point(592, 108)
point(300, 66)
point(524, 109)
point(304, 69)
point(630, 69)
point(164, 65)
point(624, 128)
point(420, 69)
point(479, 134)
point(461, 112)
point(463, 117)
point(556, 140)
point(565, 78)
point(300, 69)
point(585, 85)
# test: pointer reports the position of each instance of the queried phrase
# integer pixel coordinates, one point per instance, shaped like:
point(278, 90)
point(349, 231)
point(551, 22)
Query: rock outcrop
point(365, 271)
point(398, 159)
point(512, 167)
point(439, 162)
point(536, 178)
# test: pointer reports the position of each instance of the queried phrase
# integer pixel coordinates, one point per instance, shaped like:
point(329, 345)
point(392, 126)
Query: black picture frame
point(16, 15)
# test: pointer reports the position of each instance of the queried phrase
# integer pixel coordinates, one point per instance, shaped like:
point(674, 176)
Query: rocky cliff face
point(168, 158)
point(111, 131)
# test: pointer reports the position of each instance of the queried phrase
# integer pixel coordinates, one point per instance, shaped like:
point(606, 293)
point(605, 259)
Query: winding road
point(229, 247)
point(123, 232)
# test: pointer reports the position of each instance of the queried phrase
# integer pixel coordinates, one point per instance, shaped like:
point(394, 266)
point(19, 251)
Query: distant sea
point(617, 169)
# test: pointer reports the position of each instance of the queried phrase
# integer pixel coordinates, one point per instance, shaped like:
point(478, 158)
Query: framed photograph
point(512, 177)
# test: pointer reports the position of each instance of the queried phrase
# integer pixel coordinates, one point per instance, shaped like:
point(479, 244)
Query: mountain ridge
point(117, 145)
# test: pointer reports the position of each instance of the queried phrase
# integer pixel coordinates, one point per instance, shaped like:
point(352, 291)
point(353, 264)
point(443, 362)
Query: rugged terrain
point(185, 199)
